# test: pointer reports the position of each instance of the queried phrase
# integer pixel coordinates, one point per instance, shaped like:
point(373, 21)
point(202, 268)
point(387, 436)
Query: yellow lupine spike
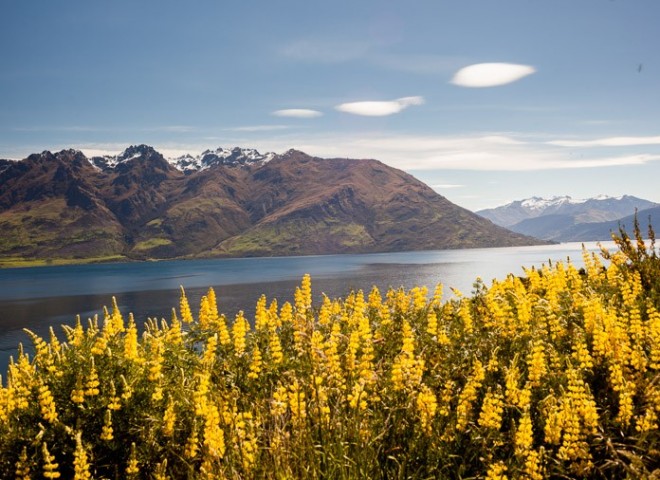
point(131, 340)
point(22, 471)
point(117, 318)
point(50, 468)
point(81, 460)
point(184, 308)
point(213, 304)
point(239, 331)
point(205, 320)
point(261, 317)
point(132, 468)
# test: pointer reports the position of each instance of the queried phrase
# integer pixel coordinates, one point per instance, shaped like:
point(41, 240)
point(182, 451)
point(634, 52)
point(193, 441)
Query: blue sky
point(572, 105)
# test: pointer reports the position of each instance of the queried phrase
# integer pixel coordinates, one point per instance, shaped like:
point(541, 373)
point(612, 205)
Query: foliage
point(551, 375)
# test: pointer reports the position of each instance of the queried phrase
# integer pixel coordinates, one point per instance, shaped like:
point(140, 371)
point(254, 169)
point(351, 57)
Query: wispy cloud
point(484, 152)
point(490, 74)
point(62, 128)
point(171, 129)
point(297, 113)
point(379, 108)
point(258, 128)
point(609, 142)
point(106, 129)
point(489, 151)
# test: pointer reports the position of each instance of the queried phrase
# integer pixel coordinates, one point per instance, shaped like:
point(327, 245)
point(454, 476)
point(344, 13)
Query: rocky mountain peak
point(230, 157)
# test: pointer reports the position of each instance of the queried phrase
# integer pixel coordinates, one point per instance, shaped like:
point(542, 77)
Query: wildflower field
point(552, 374)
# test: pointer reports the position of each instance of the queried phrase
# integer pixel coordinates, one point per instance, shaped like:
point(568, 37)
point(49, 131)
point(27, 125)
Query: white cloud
point(470, 152)
point(297, 113)
point(489, 151)
point(608, 142)
point(490, 74)
point(379, 108)
point(447, 186)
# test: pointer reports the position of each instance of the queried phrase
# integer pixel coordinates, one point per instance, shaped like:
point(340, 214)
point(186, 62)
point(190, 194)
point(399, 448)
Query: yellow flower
point(169, 418)
point(80, 461)
point(497, 471)
point(275, 347)
point(184, 308)
point(432, 323)
point(255, 365)
point(426, 408)
point(468, 395)
point(536, 363)
point(280, 401)
point(214, 436)
point(192, 445)
point(533, 467)
point(106, 431)
point(245, 439)
point(297, 403)
point(131, 340)
point(647, 422)
point(132, 468)
point(524, 435)
point(92, 384)
point(491, 411)
point(239, 331)
point(47, 404)
point(22, 471)
point(49, 467)
point(358, 397)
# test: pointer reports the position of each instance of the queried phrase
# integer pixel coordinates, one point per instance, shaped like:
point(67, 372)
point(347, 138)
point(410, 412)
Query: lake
point(37, 298)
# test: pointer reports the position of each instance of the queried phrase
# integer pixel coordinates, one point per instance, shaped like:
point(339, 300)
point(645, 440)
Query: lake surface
point(37, 298)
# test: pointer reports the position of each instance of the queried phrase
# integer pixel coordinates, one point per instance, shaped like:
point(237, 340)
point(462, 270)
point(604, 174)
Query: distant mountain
point(225, 203)
point(564, 218)
point(603, 230)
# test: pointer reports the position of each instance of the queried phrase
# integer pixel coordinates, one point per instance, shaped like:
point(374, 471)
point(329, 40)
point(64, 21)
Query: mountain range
point(565, 219)
point(227, 202)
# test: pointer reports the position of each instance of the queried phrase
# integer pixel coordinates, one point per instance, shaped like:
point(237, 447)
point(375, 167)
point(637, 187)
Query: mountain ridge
point(562, 218)
point(62, 205)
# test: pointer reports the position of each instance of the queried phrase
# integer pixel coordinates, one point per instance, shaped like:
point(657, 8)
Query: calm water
point(37, 298)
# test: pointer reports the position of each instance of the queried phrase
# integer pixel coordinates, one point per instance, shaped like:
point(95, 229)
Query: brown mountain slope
point(50, 207)
point(60, 206)
point(307, 205)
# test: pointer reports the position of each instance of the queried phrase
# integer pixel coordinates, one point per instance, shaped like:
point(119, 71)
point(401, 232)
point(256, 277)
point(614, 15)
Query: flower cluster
point(554, 374)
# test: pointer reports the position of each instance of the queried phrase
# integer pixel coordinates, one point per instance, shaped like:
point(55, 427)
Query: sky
point(485, 101)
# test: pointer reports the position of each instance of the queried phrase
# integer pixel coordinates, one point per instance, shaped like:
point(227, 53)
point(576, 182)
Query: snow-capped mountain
point(538, 204)
point(594, 209)
point(555, 218)
point(188, 163)
point(110, 162)
point(221, 156)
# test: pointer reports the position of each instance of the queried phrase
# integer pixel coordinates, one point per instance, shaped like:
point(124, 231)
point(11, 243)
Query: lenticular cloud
point(490, 74)
point(297, 113)
point(379, 109)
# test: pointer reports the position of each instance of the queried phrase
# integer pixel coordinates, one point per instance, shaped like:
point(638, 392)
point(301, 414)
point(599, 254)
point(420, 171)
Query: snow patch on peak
point(234, 157)
point(538, 203)
point(109, 162)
